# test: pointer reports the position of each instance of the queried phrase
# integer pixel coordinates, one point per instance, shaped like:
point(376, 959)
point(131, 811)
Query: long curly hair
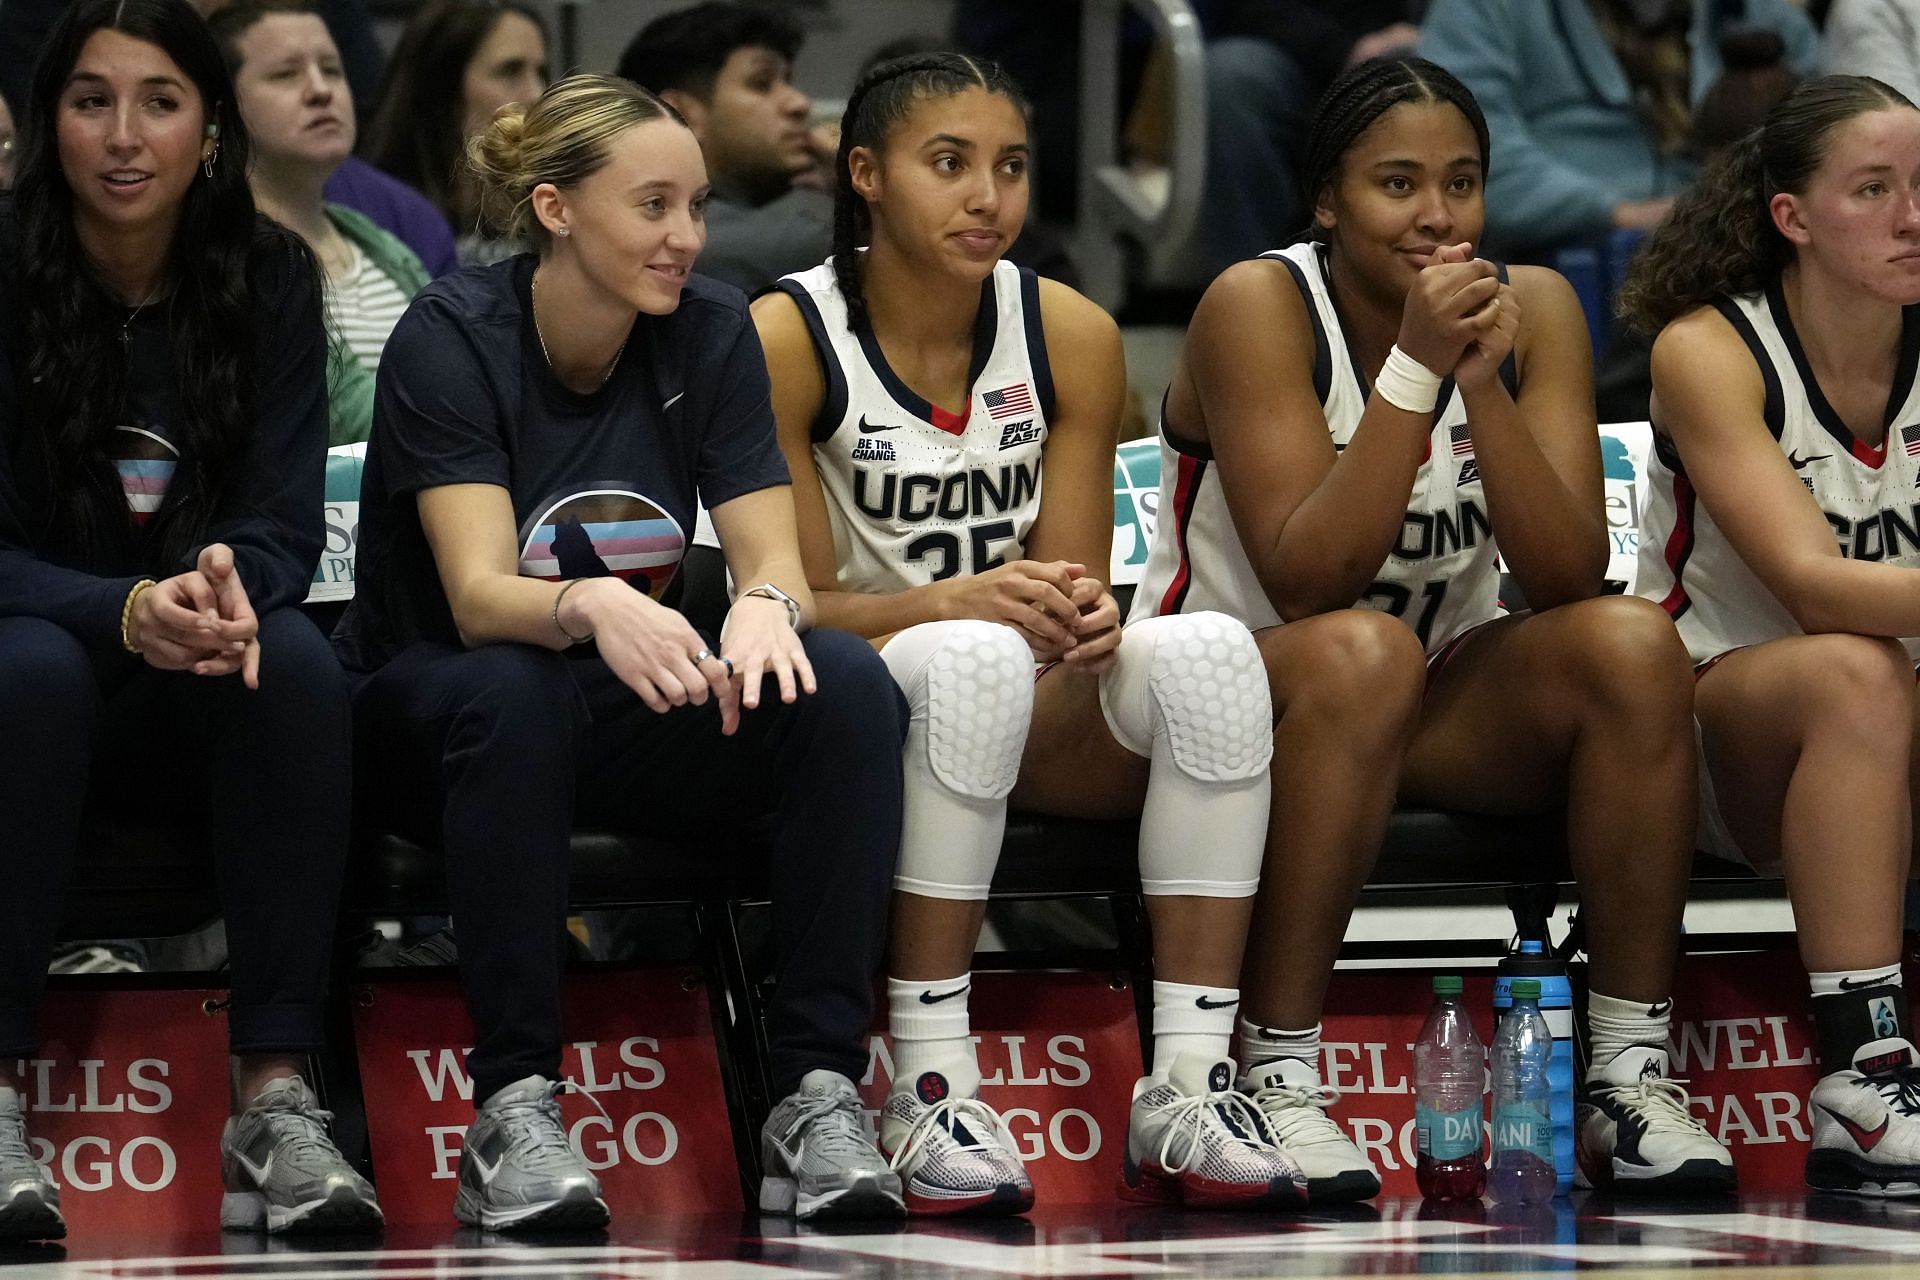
point(75, 388)
point(881, 100)
point(1720, 239)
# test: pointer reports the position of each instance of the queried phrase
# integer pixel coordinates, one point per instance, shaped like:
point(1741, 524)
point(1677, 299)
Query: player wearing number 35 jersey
point(1352, 422)
point(950, 422)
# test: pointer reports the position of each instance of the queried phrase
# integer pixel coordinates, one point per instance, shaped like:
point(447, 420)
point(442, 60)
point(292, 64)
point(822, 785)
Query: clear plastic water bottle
point(1449, 1078)
point(1531, 959)
point(1522, 1171)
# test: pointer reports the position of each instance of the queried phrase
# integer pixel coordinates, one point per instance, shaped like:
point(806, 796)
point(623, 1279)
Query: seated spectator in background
point(292, 93)
point(390, 203)
point(1757, 76)
point(1267, 64)
point(727, 68)
point(457, 63)
point(1591, 103)
point(162, 435)
point(1878, 38)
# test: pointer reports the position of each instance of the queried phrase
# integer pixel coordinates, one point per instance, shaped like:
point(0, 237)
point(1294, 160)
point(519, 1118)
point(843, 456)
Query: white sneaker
point(1193, 1140)
point(1866, 1124)
point(952, 1151)
point(1635, 1132)
point(1293, 1102)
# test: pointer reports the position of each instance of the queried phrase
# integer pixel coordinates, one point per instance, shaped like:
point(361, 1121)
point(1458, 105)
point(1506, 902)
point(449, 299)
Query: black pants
point(266, 770)
point(491, 751)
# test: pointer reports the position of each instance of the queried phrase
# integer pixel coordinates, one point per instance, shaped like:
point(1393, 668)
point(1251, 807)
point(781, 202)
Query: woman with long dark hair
point(163, 423)
point(1352, 422)
point(1780, 526)
point(458, 62)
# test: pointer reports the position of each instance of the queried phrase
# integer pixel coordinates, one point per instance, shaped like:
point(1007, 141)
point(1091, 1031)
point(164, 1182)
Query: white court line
point(982, 1257)
point(1842, 1235)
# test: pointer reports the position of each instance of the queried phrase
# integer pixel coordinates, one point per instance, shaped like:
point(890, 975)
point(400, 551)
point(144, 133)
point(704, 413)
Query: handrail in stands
point(1115, 203)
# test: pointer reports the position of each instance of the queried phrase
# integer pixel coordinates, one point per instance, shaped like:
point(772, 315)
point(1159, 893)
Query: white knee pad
point(1189, 692)
point(969, 689)
point(1197, 679)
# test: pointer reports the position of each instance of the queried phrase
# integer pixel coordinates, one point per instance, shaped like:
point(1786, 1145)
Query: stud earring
point(213, 129)
point(564, 232)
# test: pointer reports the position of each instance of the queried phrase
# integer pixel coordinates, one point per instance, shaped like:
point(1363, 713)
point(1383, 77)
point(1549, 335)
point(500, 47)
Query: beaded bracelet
point(570, 584)
point(126, 614)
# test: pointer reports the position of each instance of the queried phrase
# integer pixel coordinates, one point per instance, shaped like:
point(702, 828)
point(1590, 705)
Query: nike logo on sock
point(1867, 1139)
point(1201, 1002)
point(929, 997)
point(671, 401)
point(1660, 1010)
point(1877, 980)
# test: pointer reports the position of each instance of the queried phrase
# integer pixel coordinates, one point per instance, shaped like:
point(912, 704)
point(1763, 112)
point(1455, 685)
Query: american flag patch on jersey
point(1462, 439)
point(1008, 402)
point(1910, 437)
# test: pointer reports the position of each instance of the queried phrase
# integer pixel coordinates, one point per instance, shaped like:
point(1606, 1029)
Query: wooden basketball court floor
point(1784, 1239)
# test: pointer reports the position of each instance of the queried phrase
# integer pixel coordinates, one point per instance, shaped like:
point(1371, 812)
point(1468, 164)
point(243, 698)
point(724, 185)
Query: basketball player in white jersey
point(1781, 530)
point(1353, 420)
point(950, 422)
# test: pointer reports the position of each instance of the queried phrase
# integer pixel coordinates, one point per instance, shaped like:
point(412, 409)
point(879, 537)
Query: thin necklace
point(126, 330)
point(548, 356)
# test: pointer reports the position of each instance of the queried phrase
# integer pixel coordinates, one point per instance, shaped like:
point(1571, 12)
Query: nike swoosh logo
point(1800, 463)
point(1867, 1138)
point(1201, 1002)
point(668, 404)
point(1879, 980)
point(928, 997)
point(486, 1170)
point(868, 428)
point(258, 1172)
point(1660, 1010)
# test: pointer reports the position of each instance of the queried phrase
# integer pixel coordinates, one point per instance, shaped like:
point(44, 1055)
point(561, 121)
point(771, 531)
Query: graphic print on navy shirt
point(145, 460)
point(603, 531)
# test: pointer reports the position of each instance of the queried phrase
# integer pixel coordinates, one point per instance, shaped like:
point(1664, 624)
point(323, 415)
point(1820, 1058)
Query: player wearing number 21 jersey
point(1350, 423)
point(1442, 576)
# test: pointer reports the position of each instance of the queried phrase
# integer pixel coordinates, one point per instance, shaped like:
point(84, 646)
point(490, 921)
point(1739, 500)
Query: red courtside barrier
point(125, 1101)
point(641, 1042)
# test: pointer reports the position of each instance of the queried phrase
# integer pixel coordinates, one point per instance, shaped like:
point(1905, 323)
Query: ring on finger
point(701, 656)
point(728, 664)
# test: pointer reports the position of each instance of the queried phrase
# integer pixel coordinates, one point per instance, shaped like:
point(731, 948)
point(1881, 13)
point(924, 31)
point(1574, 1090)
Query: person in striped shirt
point(292, 90)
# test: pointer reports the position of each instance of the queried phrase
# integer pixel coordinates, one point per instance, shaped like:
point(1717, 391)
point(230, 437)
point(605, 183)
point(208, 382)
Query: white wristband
point(1406, 383)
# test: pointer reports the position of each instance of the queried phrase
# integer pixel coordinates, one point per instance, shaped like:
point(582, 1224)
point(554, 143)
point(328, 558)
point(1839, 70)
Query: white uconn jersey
point(1868, 495)
point(1441, 577)
point(915, 493)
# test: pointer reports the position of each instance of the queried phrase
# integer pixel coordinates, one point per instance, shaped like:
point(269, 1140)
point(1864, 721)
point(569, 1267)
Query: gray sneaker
point(518, 1172)
point(29, 1202)
point(284, 1174)
point(818, 1159)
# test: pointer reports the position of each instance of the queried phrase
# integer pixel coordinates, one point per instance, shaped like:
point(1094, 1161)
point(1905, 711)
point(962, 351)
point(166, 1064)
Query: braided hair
point(1355, 101)
point(880, 101)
